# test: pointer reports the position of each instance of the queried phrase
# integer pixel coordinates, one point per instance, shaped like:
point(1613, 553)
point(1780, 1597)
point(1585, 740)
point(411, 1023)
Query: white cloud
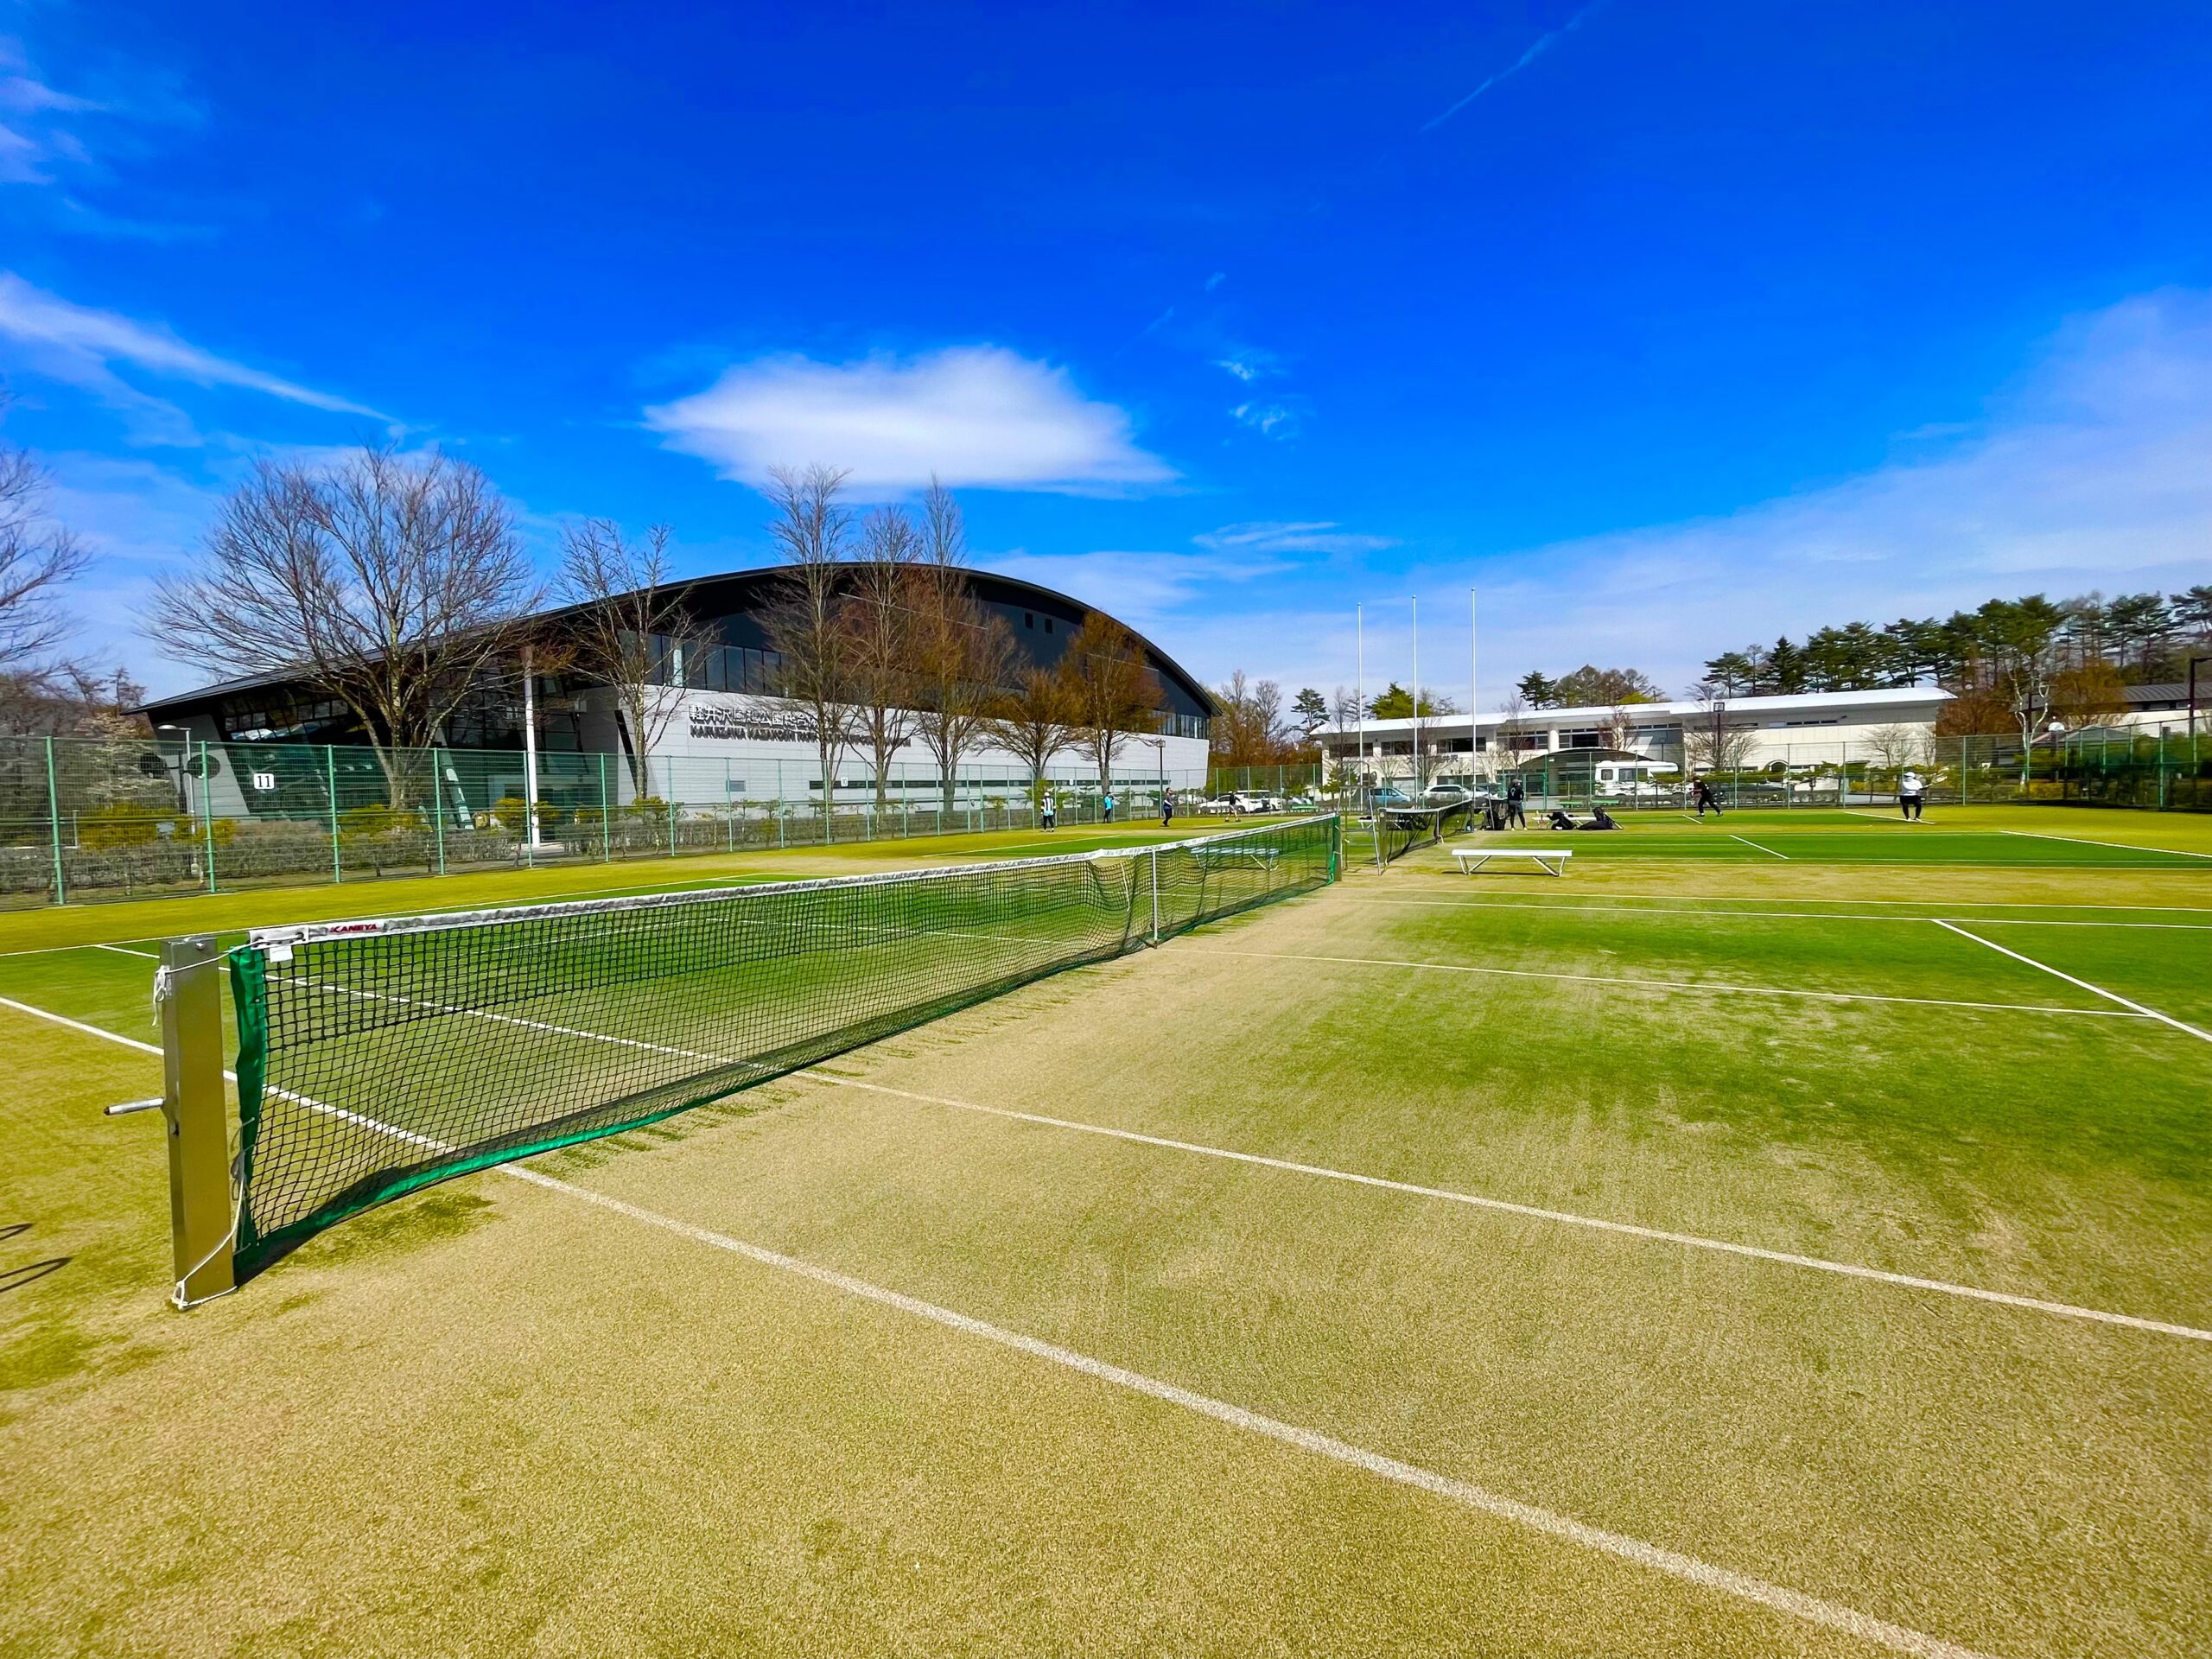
point(2094, 472)
point(978, 416)
point(1316, 536)
point(81, 347)
point(1278, 418)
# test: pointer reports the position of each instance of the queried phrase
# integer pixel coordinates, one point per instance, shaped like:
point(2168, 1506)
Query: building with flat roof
point(1809, 728)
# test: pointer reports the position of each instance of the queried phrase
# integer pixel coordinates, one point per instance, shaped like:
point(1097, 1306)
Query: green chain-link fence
point(83, 819)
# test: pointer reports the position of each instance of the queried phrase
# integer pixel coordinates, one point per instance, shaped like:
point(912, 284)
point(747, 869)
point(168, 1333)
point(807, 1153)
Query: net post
point(1153, 860)
point(202, 1212)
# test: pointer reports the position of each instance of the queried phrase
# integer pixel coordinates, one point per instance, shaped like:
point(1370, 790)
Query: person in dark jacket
point(1515, 808)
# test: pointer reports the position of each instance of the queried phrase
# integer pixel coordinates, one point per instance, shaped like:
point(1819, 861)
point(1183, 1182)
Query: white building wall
point(1810, 730)
point(717, 747)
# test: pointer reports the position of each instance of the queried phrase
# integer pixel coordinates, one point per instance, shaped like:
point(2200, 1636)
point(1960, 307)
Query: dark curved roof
point(735, 595)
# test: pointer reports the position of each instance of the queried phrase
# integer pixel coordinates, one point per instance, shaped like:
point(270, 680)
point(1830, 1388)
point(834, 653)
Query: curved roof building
point(723, 683)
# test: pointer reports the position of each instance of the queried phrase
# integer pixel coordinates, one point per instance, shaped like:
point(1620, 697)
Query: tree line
point(2141, 638)
point(397, 586)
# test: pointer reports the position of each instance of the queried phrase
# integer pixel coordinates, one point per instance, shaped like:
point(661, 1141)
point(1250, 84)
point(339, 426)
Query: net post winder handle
point(203, 1210)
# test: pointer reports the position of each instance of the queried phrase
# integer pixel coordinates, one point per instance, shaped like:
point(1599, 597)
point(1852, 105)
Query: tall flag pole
point(1417, 765)
point(1359, 689)
point(1474, 692)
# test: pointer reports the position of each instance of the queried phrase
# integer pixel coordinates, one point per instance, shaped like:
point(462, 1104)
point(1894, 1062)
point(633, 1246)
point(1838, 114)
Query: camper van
point(1637, 779)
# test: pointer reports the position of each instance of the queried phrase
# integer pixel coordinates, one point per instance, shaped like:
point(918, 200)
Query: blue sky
point(1667, 325)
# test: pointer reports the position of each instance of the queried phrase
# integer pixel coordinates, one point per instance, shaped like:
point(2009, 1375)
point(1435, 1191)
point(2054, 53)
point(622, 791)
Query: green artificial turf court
point(1701, 1255)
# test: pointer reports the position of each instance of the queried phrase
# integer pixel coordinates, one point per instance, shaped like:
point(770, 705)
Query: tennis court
point(1715, 1253)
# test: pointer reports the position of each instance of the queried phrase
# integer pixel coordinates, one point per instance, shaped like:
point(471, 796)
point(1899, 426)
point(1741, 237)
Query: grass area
point(1712, 1253)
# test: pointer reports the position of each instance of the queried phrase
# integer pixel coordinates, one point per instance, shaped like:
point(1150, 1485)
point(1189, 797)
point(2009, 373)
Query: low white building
point(1810, 730)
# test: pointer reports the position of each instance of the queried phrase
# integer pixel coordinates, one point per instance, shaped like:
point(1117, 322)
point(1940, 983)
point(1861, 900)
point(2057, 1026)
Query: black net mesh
point(377, 1057)
point(1399, 829)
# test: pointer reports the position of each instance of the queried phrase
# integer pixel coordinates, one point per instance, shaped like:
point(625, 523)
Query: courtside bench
point(1552, 860)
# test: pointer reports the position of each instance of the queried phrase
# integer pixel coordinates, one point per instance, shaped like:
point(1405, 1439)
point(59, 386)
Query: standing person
point(1910, 788)
point(1707, 798)
point(1107, 802)
point(1048, 810)
point(1166, 807)
point(1516, 804)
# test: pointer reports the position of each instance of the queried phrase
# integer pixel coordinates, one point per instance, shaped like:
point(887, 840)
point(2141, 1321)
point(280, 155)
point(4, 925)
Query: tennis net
point(1399, 829)
point(377, 1057)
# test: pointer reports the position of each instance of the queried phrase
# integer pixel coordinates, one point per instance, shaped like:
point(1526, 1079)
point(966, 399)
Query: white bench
point(1551, 859)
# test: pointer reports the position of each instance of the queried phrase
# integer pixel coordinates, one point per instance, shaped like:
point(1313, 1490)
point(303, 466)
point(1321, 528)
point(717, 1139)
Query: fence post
point(53, 820)
point(208, 813)
point(606, 818)
point(330, 801)
point(438, 805)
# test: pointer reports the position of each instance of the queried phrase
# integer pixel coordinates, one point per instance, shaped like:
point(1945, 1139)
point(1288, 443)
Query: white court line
point(1710, 987)
point(1694, 1241)
point(1743, 1587)
point(1779, 1599)
point(1768, 851)
point(2067, 1310)
point(1883, 818)
point(2124, 846)
point(126, 951)
point(2096, 990)
point(1759, 915)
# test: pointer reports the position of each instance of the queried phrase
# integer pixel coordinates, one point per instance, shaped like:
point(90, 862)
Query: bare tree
point(1619, 727)
point(878, 617)
point(37, 555)
point(631, 630)
point(813, 531)
point(1112, 692)
point(963, 653)
point(393, 583)
point(1894, 746)
point(1711, 740)
point(1033, 721)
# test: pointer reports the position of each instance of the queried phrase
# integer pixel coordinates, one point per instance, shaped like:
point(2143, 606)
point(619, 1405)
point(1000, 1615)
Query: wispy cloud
point(1543, 44)
point(1314, 536)
point(980, 417)
point(83, 346)
point(1280, 418)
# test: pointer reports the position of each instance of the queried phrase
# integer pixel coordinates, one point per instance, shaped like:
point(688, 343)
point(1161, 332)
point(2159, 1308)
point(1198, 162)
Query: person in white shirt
point(1910, 790)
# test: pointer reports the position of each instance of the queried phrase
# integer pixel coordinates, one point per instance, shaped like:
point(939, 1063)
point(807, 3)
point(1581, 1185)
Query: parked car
point(1242, 801)
point(1213, 806)
point(1442, 794)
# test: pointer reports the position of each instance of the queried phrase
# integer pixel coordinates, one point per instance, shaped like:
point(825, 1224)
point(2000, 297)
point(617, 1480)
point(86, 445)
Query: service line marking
point(1659, 1235)
point(1813, 1610)
point(2085, 841)
point(1768, 851)
point(1796, 1604)
point(1709, 987)
point(2095, 990)
point(1760, 915)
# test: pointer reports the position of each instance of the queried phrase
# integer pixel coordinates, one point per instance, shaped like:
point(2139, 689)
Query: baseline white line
point(1660, 1235)
point(1796, 1604)
point(126, 951)
point(1768, 851)
point(1779, 1599)
point(1714, 988)
point(2095, 990)
point(1759, 915)
point(2085, 841)
point(78, 1024)
point(1445, 879)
